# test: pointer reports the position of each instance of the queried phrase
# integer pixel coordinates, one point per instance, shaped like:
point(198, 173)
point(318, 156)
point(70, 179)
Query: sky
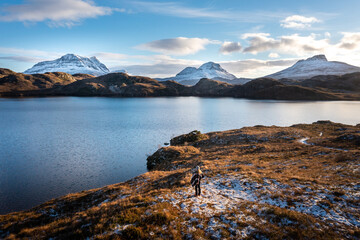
point(249, 38)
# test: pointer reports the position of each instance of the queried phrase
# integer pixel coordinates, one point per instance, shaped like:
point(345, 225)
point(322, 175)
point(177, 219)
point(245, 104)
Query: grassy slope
point(261, 182)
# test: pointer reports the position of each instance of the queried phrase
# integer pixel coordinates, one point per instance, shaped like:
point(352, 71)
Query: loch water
point(53, 146)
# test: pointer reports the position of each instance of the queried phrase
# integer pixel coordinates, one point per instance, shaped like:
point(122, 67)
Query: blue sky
point(159, 38)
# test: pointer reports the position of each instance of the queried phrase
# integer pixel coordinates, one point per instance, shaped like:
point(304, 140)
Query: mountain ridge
point(72, 64)
point(314, 66)
point(211, 70)
point(345, 87)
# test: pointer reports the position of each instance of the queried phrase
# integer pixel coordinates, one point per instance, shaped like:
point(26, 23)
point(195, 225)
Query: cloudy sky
point(249, 38)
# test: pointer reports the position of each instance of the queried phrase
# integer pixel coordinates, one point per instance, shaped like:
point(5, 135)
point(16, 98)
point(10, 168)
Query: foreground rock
point(298, 182)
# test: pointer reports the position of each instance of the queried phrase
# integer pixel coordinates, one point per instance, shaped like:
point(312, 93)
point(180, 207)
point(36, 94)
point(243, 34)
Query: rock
point(167, 154)
point(323, 122)
point(191, 137)
point(349, 138)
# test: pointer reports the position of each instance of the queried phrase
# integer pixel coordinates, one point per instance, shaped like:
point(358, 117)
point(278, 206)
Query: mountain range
point(92, 78)
point(345, 87)
point(302, 69)
point(210, 70)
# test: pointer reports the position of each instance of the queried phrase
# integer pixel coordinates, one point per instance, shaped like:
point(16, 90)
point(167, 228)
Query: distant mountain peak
point(211, 65)
point(70, 56)
point(72, 64)
point(320, 57)
point(314, 66)
point(208, 70)
point(187, 70)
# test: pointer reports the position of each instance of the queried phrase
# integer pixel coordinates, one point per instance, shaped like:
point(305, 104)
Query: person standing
point(196, 181)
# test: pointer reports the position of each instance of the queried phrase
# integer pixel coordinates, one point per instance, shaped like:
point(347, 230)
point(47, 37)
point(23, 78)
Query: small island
point(262, 182)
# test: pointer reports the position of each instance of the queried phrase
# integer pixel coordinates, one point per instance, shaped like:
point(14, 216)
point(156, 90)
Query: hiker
point(195, 181)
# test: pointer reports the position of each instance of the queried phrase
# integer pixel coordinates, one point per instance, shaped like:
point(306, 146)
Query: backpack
point(195, 180)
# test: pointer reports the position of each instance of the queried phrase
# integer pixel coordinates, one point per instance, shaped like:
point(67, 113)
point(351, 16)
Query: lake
point(53, 146)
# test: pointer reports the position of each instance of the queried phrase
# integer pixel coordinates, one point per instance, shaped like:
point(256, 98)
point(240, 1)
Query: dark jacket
point(196, 179)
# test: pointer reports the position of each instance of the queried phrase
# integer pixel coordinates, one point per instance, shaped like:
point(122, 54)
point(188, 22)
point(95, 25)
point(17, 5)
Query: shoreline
point(210, 97)
point(241, 167)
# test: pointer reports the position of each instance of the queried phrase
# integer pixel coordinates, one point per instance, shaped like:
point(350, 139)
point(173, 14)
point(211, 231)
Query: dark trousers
point(197, 190)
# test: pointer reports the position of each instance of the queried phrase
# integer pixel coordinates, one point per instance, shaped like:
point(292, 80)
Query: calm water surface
point(53, 146)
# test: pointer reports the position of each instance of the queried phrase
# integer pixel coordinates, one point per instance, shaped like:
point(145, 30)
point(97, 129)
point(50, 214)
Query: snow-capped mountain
point(71, 63)
point(314, 66)
point(211, 70)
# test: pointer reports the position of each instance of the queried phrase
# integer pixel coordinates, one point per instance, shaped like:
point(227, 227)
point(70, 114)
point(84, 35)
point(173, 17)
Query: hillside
point(12, 82)
point(116, 84)
point(297, 182)
point(344, 83)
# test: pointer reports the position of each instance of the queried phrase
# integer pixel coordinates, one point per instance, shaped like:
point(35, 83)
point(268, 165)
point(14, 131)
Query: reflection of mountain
point(314, 66)
point(72, 64)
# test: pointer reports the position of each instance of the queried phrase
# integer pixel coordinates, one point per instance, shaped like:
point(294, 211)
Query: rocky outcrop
point(167, 154)
point(191, 137)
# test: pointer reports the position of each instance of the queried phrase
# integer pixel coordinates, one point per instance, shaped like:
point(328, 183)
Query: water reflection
point(53, 146)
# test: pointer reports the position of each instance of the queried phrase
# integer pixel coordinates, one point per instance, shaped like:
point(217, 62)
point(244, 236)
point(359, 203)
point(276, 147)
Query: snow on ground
point(222, 194)
point(305, 141)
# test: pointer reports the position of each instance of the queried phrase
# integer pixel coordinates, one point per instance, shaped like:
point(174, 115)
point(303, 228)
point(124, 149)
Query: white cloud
point(273, 55)
point(290, 44)
point(253, 68)
point(179, 10)
point(158, 66)
point(350, 40)
point(22, 59)
point(176, 46)
point(298, 22)
point(31, 52)
point(230, 47)
point(347, 49)
point(56, 12)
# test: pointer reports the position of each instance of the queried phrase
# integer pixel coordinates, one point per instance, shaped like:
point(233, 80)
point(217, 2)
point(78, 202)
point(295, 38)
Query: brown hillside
point(14, 82)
